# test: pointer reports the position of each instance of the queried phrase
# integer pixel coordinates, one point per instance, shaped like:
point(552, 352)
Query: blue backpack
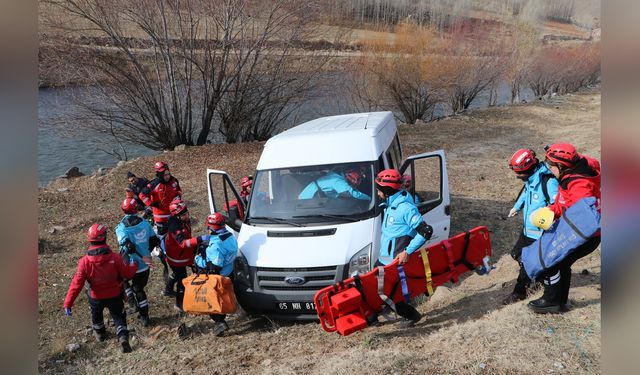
point(576, 225)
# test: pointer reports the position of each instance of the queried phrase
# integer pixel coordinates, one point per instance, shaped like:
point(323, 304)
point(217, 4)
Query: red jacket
point(582, 182)
point(104, 270)
point(178, 245)
point(159, 194)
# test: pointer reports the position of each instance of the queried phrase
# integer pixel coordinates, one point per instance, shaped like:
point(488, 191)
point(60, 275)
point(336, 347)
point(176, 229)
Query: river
point(64, 141)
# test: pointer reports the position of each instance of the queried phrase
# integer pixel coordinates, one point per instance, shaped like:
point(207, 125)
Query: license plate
point(295, 307)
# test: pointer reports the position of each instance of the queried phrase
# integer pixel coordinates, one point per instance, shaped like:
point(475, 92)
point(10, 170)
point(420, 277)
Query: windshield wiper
point(278, 220)
point(328, 216)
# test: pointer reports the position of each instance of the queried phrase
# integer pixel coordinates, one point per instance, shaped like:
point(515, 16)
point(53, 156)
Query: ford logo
point(294, 280)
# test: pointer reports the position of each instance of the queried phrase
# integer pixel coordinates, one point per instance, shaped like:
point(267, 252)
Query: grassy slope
point(465, 325)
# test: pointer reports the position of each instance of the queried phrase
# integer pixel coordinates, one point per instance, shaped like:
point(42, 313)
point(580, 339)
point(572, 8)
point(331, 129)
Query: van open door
point(430, 188)
point(224, 198)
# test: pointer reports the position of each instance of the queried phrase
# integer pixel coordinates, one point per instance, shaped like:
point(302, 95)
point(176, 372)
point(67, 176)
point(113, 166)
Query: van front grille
point(310, 278)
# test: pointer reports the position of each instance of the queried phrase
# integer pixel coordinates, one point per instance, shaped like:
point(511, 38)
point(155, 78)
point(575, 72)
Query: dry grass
point(465, 326)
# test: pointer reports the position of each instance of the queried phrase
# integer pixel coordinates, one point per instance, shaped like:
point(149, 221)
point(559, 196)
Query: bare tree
point(404, 75)
point(166, 66)
point(520, 47)
point(474, 65)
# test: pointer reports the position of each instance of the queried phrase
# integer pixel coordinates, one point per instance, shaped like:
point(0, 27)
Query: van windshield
point(313, 194)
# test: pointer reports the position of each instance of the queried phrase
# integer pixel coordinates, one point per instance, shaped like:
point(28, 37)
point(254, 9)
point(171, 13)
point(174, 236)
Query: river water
point(64, 141)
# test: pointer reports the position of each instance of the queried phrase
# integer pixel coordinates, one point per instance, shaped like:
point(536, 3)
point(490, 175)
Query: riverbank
point(466, 330)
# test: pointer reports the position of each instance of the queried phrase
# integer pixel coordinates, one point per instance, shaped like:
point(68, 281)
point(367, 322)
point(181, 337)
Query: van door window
point(225, 199)
point(430, 188)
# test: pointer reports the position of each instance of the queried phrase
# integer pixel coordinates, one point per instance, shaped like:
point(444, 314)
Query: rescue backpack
point(206, 294)
point(577, 224)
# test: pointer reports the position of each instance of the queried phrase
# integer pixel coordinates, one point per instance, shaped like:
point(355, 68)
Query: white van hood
point(316, 251)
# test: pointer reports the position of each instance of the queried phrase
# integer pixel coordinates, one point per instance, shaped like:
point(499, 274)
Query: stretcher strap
point(452, 267)
point(403, 284)
point(383, 297)
point(427, 271)
point(359, 288)
point(463, 259)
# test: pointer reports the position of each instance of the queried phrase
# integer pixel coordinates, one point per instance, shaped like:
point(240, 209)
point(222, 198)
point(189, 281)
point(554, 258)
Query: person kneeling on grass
point(103, 270)
point(217, 258)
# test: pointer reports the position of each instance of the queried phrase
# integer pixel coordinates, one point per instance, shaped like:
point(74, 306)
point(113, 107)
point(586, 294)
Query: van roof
point(330, 140)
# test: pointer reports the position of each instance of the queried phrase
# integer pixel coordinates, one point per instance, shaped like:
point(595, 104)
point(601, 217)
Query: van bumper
point(281, 302)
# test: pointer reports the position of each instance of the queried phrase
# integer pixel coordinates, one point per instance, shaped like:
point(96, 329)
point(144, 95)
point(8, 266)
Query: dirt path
point(466, 330)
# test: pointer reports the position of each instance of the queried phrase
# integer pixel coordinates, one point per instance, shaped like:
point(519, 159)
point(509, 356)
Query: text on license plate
point(296, 306)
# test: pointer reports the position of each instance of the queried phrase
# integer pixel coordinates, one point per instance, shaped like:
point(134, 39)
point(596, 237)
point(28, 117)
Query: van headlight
point(241, 270)
point(361, 261)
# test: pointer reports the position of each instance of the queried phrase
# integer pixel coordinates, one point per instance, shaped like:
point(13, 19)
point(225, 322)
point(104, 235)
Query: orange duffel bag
point(208, 294)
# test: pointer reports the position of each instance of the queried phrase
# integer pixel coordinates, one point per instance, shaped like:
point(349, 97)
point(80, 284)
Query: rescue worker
point(180, 247)
point(217, 258)
point(136, 239)
point(579, 178)
point(245, 185)
point(335, 184)
point(159, 194)
point(135, 187)
point(103, 270)
point(403, 231)
point(539, 190)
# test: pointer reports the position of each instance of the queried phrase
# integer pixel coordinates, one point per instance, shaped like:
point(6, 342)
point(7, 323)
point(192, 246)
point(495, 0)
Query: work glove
point(148, 213)
point(130, 247)
point(513, 212)
point(67, 311)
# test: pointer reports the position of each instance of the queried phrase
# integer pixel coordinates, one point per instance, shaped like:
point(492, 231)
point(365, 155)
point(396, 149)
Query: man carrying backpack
point(539, 190)
point(136, 239)
point(217, 258)
point(579, 177)
point(103, 270)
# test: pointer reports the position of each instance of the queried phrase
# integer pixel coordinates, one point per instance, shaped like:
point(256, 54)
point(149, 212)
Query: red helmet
point(391, 178)
point(522, 160)
point(129, 206)
point(246, 181)
point(354, 177)
point(562, 153)
point(215, 221)
point(97, 233)
point(177, 207)
point(160, 166)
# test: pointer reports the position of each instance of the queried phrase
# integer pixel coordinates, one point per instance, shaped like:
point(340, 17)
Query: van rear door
point(225, 199)
point(430, 188)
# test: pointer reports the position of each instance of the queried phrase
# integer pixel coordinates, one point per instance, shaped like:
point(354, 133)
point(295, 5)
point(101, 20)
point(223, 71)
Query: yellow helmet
point(542, 218)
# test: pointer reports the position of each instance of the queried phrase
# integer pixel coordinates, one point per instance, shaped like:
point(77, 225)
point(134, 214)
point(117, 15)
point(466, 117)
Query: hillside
point(466, 330)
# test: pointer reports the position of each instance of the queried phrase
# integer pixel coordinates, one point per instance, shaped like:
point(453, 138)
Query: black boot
point(100, 334)
point(542, 306)
point(409, 313)
point(169, 287)
point(124, 342)
point(144, 320)
point(550, 302)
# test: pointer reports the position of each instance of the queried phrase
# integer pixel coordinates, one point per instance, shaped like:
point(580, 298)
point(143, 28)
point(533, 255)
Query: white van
point(290, 247)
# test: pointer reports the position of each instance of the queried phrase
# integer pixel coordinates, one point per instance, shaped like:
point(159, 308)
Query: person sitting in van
point(217, 258)
point(335, 184)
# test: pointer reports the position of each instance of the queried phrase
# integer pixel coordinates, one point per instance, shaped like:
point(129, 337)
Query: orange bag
point(208, 294)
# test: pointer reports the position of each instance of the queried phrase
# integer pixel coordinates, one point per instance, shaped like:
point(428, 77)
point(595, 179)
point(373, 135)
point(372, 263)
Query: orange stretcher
point(346, 306)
